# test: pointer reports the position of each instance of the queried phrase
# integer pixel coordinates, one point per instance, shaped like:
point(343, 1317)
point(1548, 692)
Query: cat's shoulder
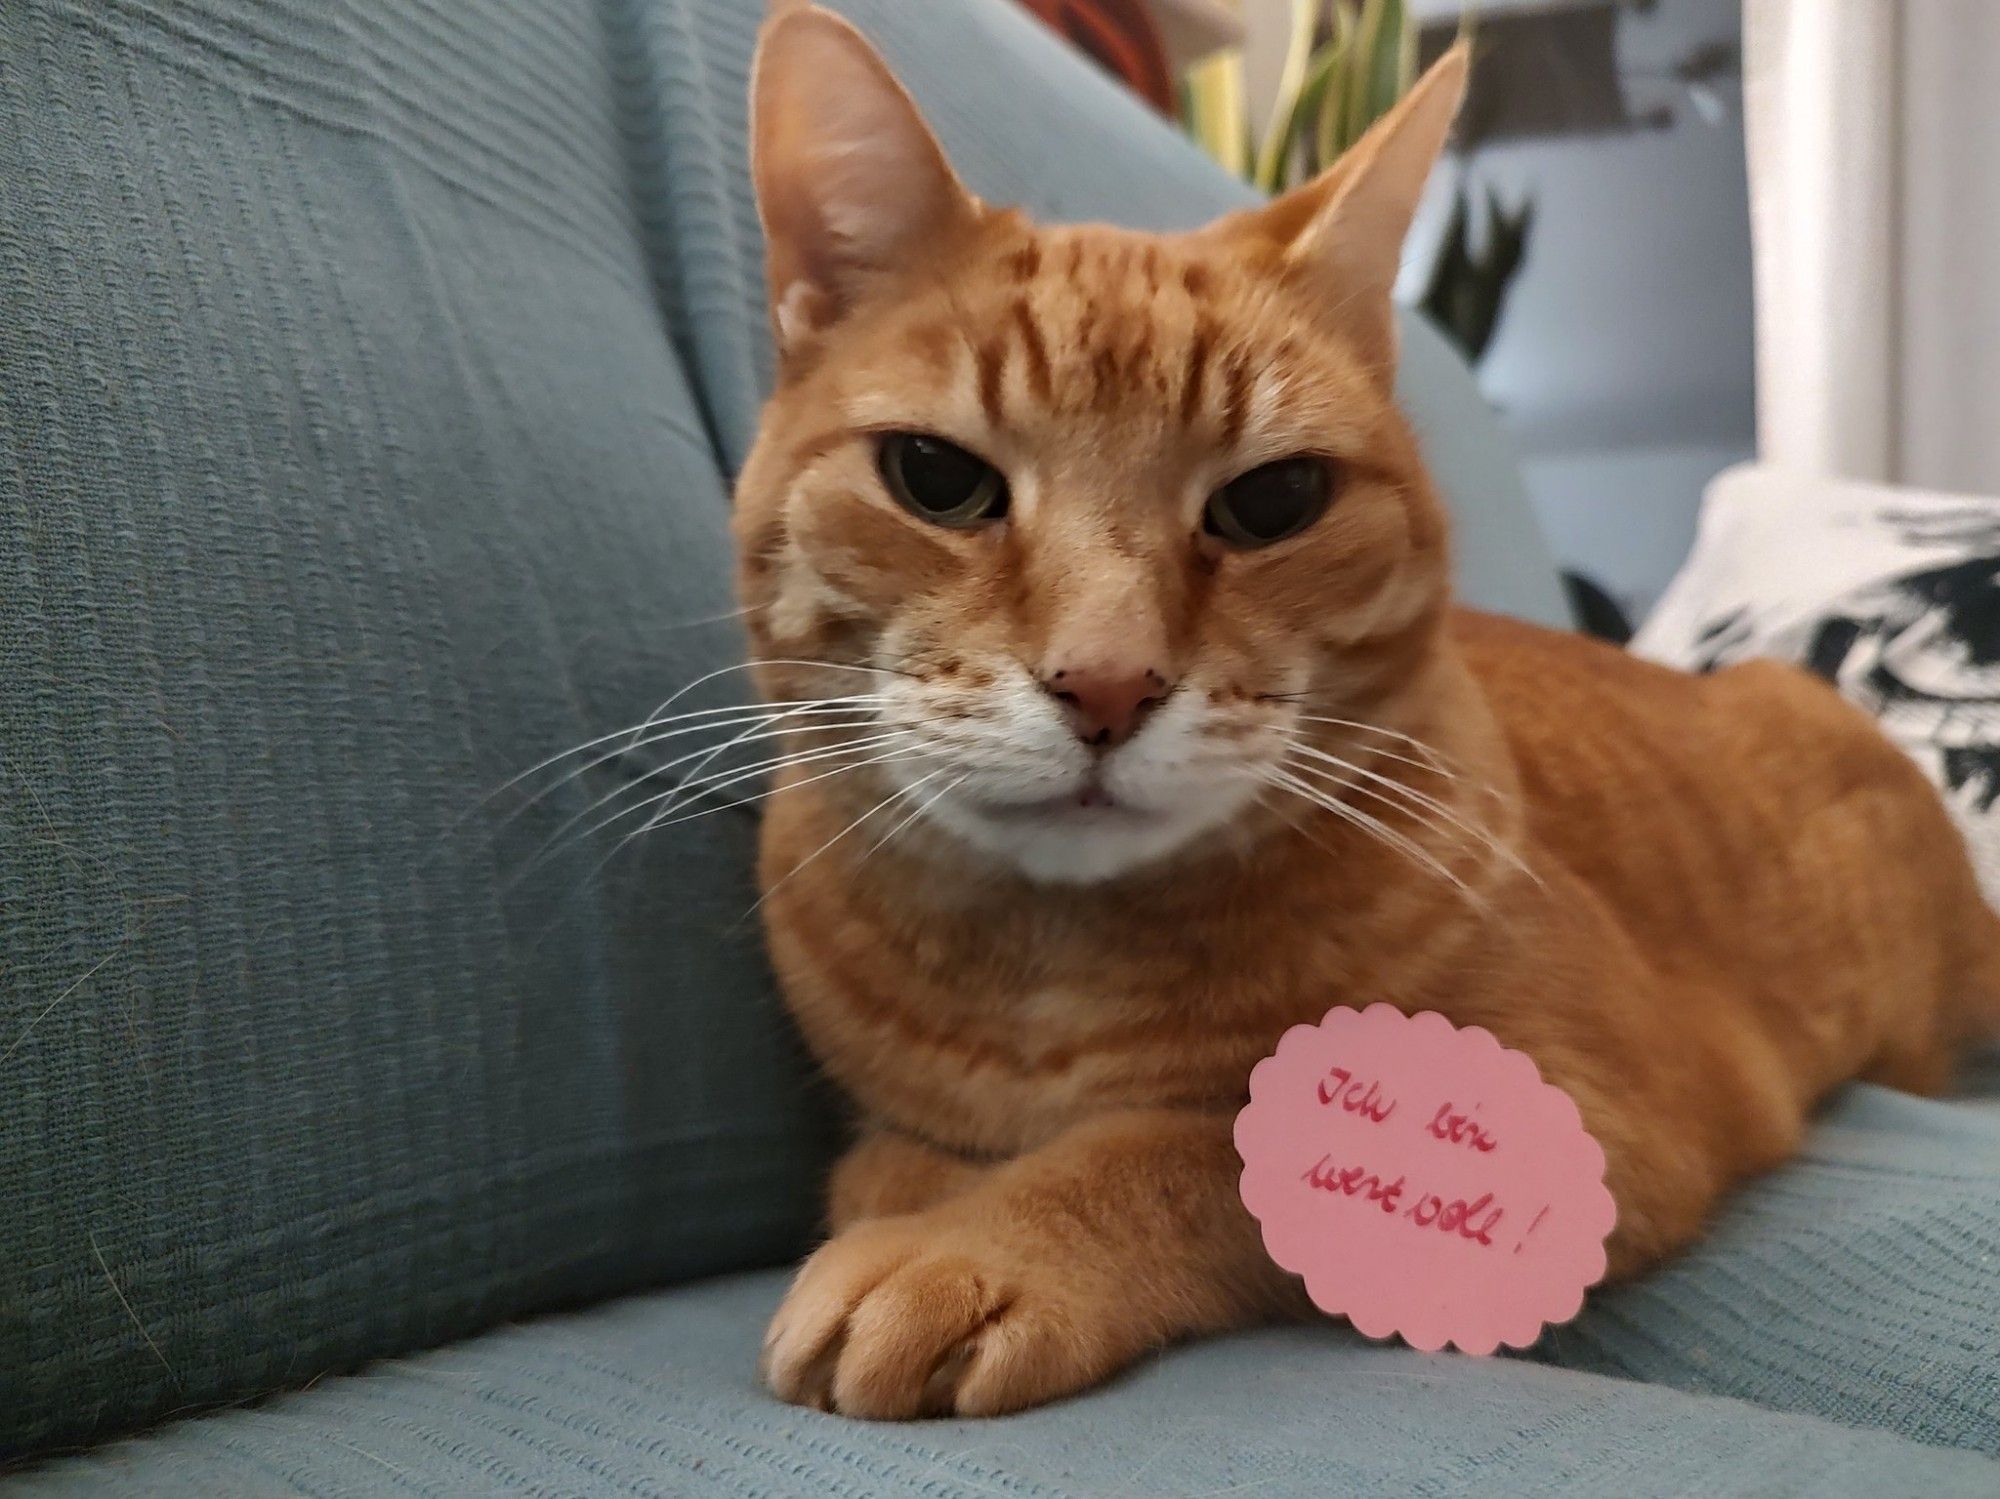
point(1558, 692)
point(1509, 655)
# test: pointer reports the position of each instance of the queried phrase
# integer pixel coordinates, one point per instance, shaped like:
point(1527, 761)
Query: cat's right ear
point(852, 187)
point(1347, 225)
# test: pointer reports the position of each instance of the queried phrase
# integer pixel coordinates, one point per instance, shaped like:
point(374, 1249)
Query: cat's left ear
point(1348, 224)
point(852, 187)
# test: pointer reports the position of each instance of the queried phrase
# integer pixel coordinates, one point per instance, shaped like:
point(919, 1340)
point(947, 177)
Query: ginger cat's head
point(1118, 519)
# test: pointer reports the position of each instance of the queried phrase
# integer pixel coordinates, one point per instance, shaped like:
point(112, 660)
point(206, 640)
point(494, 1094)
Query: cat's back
point(1751, 827)
point(1596, 727)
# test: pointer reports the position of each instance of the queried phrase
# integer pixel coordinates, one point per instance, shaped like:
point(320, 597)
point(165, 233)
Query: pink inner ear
point(850, 181)
point(798, 311)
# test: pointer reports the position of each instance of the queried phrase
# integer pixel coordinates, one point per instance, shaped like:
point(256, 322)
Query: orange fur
point(1697, 903)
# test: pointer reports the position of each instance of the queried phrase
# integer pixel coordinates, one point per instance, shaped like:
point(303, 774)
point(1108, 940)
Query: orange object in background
point(1120, 36)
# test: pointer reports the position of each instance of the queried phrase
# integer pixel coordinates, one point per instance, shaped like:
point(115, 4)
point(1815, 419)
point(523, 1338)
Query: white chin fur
point(1165, 787)
point(1085, 846)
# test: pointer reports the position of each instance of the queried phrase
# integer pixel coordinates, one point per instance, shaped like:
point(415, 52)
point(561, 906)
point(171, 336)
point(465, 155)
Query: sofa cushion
point(1860, 1282)
point(655, 1397)
point(1835, 1335)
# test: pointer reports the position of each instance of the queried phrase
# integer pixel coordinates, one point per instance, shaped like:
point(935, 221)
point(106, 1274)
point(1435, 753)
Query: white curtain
point(1874, 137)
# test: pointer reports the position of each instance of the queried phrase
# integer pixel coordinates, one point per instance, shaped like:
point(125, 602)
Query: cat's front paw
point(927, 1314)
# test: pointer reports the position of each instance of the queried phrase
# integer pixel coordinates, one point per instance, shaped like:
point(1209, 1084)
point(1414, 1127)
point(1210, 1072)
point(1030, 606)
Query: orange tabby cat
point(1182, 743)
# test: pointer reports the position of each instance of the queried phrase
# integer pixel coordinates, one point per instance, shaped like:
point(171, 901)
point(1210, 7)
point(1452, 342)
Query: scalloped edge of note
point(1556, 1290)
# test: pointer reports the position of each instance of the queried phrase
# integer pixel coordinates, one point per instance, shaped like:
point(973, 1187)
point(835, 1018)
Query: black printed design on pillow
point(1919, 650)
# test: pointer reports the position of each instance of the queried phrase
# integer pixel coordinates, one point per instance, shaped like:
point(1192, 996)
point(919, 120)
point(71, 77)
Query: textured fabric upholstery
point(655, 1397)
point(1835, 1336)
point(1861, 1282)
point(345, 471)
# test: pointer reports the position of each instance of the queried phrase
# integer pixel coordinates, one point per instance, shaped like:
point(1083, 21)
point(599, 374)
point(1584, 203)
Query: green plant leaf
point(1363, 59)
point(1275, 153)
point(1406, 59)
point(1328, 141)
point(1388, 75)
point(1307, 118)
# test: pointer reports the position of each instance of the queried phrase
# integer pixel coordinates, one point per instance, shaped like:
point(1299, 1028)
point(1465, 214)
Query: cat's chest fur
point(994, 1064)
point(992, 1032)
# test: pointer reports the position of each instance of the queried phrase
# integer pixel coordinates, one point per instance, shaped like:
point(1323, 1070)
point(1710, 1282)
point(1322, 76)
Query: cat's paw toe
point(887, 1323)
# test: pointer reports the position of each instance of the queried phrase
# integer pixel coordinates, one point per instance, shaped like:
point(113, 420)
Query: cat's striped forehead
point(1088, 326)
point(1116, 381)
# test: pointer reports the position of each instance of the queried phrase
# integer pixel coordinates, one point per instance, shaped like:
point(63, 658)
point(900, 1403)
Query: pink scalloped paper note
point(1424, 1180)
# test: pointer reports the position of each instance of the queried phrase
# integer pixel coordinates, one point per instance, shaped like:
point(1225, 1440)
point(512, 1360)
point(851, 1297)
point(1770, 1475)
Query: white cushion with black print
point(1891, 594)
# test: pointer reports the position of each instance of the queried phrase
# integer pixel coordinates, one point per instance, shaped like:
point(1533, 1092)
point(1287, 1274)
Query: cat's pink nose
point(1106, 704)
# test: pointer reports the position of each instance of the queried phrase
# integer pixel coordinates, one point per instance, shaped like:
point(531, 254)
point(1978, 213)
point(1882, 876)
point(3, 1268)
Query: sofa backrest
point(345, 471)
point(370, 376)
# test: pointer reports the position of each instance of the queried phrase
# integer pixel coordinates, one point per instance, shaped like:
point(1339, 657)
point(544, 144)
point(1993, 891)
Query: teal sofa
point(371, 376)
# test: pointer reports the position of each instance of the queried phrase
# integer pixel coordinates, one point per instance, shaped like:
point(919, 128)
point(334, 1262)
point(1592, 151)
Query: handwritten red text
point(1459, 1129)
point(1354, 1095)
point(1355, 1181)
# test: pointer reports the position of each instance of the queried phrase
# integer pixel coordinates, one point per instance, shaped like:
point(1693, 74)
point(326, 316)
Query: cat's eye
point(940, 481)
point(1271, 502)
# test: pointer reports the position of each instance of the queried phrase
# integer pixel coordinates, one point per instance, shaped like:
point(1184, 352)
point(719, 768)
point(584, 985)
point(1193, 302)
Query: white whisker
point(1332, 785)
point(1372, 825)
point(689, 789)
point(656, 821)
point(723, 671)
point(597, 869)
point(687, 786)
point(709, 758)
point(894, 796)
point(656, 716)
point(1429, 803)
point(653, 721)
point(1287, 817)
point(694, 784)
point(1433, 758)
point(767, 727)
point(904, 752)
point(743, 612)
point(864, 710)
point(930, 801)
